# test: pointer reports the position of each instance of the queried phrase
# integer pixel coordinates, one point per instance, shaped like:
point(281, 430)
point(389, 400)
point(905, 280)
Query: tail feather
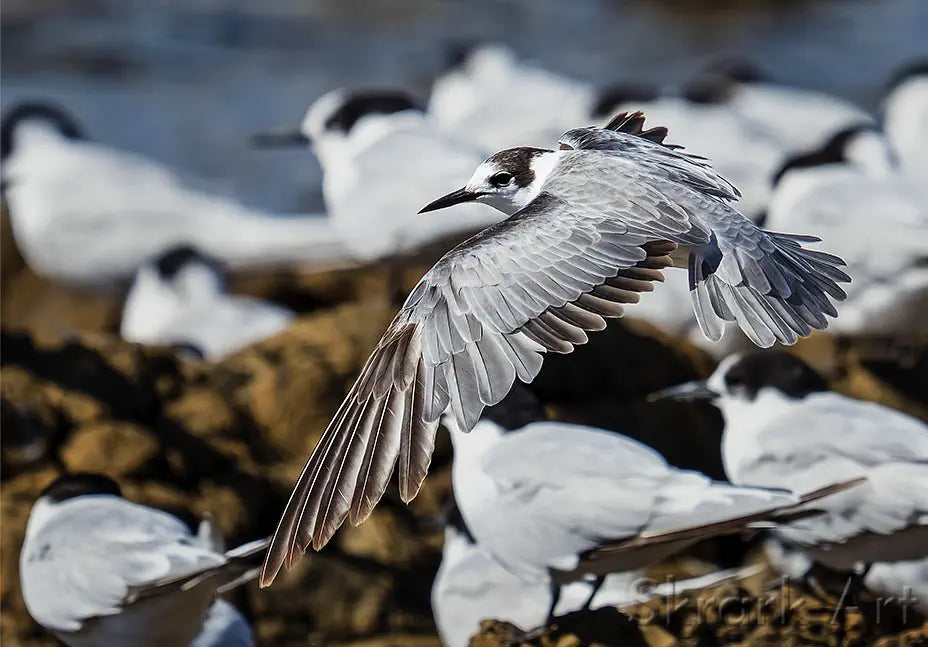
point(767, 282)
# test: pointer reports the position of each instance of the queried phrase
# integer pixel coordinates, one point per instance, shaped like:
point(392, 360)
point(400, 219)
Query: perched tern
point(784, 428)
point(471, 586)
point(98, 570)
point(555, 502)
point(590, 227)
point(90, 215)
point(381, 160)
point(180, 300)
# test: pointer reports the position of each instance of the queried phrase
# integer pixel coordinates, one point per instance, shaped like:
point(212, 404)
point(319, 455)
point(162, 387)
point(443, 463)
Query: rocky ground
point(228, 439)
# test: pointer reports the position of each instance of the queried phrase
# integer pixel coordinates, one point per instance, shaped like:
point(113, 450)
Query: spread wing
point(480, 318)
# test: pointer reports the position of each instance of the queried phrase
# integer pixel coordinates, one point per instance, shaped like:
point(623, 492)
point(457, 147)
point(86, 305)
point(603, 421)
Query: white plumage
point(180, 300)
point(98, 570)
point(91, 215)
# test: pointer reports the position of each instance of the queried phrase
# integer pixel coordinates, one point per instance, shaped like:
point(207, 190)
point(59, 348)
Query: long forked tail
point(773, 287)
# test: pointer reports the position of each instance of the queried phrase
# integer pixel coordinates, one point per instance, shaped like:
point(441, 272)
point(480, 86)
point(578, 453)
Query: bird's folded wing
point(780, 505)
point(235, 568)
point(481, 317)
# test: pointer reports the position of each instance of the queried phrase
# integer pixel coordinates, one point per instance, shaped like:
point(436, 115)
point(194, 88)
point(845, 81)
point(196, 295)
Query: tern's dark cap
point(520, 407)
point(175, 259)
point(518, 162)
point(776, 369)
point(912, 70)
point(361, 103)
point(70, 486)
point(39, 111)
point(834, 151)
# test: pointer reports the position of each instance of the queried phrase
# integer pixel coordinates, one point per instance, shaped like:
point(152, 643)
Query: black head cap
point(175, 259)
point(518, 163)
point(911, 70)
point(717, 83)
point(458, 54)
point(78, 484)
point(519, 408)
point(833, 152)
point(40, 111)
point(737, 69)
point(775, 369)
point(369, 102)
point(611, 97)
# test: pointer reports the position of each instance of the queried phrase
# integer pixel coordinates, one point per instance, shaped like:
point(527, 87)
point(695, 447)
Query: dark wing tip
point(633, 124)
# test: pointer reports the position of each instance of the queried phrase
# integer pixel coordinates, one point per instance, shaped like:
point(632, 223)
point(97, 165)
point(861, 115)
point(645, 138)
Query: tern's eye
point(501, 179)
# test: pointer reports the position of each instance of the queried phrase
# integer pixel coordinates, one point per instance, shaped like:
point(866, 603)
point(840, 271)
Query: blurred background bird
point(97, 569)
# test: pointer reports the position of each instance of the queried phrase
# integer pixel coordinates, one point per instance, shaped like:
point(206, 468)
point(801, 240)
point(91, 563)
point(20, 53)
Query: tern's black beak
point(279, 140)
point(453, 198)
point(688, 391)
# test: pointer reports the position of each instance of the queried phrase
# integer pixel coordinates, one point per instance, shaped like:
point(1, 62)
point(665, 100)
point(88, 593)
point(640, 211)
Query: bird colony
point(735, 212)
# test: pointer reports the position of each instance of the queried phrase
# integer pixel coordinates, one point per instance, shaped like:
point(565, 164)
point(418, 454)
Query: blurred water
point(186, 81)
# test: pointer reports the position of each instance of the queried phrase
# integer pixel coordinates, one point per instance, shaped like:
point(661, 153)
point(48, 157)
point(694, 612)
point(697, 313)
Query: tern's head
point(507, 180)
point(742, 377)
point(915, 72)
point(863, 146)
point(336, 114)
point(187, 272)
point(24, 119)
point(66, 488)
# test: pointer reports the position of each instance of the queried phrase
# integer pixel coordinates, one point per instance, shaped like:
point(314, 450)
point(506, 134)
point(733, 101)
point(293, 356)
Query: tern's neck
point(745, 421)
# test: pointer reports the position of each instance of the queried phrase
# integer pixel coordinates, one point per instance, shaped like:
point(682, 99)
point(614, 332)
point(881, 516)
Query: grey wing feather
point(478, 320)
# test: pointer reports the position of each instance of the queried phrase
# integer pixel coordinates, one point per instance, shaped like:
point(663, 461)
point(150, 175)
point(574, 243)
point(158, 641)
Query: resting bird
point(180, 300)
point(784, 428)
point(381, 158)
point(590, 227)
point(90, 215)
point(98, 570)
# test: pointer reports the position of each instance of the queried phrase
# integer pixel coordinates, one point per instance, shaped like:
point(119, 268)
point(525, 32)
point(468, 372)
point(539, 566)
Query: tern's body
point(181, 300)
point(98, 570)
point(541, 499)
point(87, 214)
point(591, 227)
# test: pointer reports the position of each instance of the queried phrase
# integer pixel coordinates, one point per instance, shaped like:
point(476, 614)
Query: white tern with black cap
point(88, 214)
point(180, 300)
point(382, 159)
point(98, 570)
point(784, 428)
